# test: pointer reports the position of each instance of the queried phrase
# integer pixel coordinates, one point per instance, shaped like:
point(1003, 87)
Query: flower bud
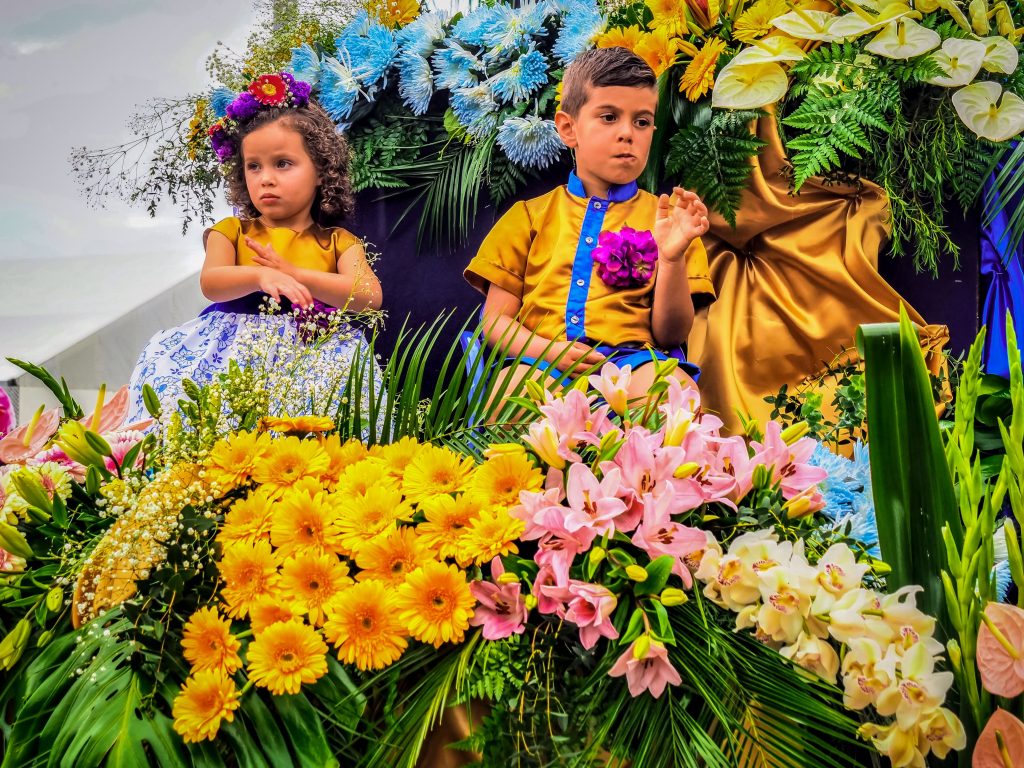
point(636, 572)
point(508, 577)
point(686, 470)
point(597, 554)
point(536, 392)
point(642, 647)
point(54, 599)
point(955, 654)
point(672, 596)
point(794, 432)
point(797, 508)
point(762, 477)
point(530, 602)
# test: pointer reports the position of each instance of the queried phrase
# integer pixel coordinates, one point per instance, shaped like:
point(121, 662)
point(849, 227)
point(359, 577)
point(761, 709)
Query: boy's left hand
point(678, 222)
point(266, 256)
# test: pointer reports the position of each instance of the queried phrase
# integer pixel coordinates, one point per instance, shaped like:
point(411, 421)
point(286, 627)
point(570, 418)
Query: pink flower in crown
point(789, 462)
point(500, 610)
point(593, 503)
point(659, 535)
point(646, 667)
point(627, 258)
point(590, 608)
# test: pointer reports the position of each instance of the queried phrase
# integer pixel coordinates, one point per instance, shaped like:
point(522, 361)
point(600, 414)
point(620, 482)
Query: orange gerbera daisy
point(207, 642)
point(311, 581)
point(248, 520)
point(270, 609)
point(233, 459)
point(390, 557)
point(300, 424)
point(363, 626)
point(305, 523)
point(499, 480)
point(435, 471)
point(205, 700)
point(341, 457)
point(286, 655)
point(249, 572)
point(363, 518)
point(494, 532)
point(699, 76)
point(447, 521)
point(435, 604)
point(289, 461)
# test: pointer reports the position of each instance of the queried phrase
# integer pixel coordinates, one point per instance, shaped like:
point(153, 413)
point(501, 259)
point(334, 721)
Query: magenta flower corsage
point(626, 259)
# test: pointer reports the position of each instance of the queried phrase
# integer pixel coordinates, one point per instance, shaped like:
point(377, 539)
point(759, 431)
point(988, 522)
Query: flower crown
point(272, 91)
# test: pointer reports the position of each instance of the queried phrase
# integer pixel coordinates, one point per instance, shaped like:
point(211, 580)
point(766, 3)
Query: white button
point(597, 206)
point(579, 283)
point(590, 241)
point(574, 319)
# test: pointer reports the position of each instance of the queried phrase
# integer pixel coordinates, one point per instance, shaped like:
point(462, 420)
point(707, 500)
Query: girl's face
point(280, 175)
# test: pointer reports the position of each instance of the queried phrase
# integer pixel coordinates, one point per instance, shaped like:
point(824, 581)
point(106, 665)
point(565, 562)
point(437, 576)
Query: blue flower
point(525, 75)
point(470, 28)
point(423, 34)
point(511, 28)
point(415, 82)
point(847, 493)
point(455, 67)
point(338, 89)
point(219, 100)
point(305, 64)
point(581, 24)
point(475, 109)
point(370, 56)
point(530, 141)
point(358, 27)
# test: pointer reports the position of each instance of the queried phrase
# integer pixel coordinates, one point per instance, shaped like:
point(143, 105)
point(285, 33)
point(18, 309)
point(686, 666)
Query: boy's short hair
point(599, 68)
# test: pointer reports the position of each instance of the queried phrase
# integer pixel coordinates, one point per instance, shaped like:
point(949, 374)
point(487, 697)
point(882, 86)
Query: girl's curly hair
point(334, 201)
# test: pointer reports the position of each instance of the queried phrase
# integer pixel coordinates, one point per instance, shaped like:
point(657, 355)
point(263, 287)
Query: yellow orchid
point(989, 111)
point(903, 39)
point(804, 24)
point(1000, 55)
point(960, 59)
point(899, 744)
point(749, 86)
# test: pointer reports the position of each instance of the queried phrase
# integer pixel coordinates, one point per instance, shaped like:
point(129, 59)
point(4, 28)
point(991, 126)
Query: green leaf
point(72, 409)
point(658, 571)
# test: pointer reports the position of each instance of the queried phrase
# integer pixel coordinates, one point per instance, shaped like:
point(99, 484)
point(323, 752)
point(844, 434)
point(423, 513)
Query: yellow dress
point(314, 248)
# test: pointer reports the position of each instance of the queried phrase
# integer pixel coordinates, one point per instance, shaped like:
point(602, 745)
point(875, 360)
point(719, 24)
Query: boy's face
point(611, 134)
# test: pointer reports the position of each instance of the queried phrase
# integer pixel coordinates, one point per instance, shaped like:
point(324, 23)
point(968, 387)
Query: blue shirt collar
point(617, 193)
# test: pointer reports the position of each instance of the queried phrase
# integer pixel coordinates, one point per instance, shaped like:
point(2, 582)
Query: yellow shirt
point(315, 248)
point(541, 252)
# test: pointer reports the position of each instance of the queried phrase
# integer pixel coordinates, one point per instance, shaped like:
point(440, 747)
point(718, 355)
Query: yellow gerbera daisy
point(491, 534)
point(233, 459)
point(756, 21)
point(206, 699)
point(435, 471)
point(271, 609)
point(363, 518)
point(286, 655)
point(669, 15)
point(499, 480)
point(394, 13)
point(435, 604)
point(396, 456)
point(390, 557)
point(447, 522)
point(207, 642)
point(248, 520)
point(300, 424)
point(288, 461)
point(360, 477)
point(620, 37)
point(249, 572)
point(305, 523)
point(311, 581)
point(341, 456)
point(658, 49)
point(700, 73)
point(363, 626)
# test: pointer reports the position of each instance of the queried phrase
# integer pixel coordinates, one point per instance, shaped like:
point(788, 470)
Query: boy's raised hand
point(679, 220)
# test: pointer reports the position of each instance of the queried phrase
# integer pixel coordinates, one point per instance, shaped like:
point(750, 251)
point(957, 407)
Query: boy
point(545, 294)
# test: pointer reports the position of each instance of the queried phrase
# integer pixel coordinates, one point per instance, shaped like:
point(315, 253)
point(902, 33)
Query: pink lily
point(590, 608)
point(573, 418)
point(789, 461)
point(26, 441)
point(550, 597)
point(559, 550)
point(501, 610)
point(658, 535)
point(646, 668)
point(593, 503)
point(613, 385)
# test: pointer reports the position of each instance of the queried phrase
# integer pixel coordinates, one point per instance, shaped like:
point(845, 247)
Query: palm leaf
point(1005, 194)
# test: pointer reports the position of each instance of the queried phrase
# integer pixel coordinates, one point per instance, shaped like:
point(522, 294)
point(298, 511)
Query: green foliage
point(378, 143)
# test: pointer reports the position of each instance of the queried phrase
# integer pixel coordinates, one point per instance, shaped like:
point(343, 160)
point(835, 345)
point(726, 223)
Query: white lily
point(749, 86)
point(1000, 55)
point(805, 24)
point(989, 111)
point(904, 39)
point(961, 59)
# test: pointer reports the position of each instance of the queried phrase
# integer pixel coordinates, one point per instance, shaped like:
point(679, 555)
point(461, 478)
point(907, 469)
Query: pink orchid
point(613, 385)
point(790, 465)
point(658, 535)
point(501, 610)
point(646, 669)
point(592, 503)
point(8, 419)
point(590, 608)
point(13, 447)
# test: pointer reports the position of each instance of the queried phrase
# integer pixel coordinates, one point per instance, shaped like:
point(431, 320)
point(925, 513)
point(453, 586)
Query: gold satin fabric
point(316, 248)
point(794, 279)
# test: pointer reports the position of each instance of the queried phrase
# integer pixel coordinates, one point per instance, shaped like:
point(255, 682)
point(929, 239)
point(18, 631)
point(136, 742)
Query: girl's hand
point(575, 352)
point(278, 284)
point(678, 222)
point(266, 256)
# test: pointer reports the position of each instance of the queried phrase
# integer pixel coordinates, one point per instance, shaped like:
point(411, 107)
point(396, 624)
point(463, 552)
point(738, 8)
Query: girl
point(287, 177)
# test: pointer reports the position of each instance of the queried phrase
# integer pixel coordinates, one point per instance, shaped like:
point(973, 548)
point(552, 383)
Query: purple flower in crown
point(222, 144)
point(243, 107)
point(626, 259)
point(278, 90)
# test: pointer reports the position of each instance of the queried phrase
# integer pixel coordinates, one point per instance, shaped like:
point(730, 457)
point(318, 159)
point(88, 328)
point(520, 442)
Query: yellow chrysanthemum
point(363, 518)
point(360, 477)
point(435, 604)
point(248, 520)
point(390, 557)
point(491, 534)
point(288, 461)
point(271, 609)
point(756, 21)
point(207, 642)
point(700, 73)
point(301, 424)
point(658, 49)
point(364, 627)
point(233, 459)
point(447, 522)
point(620, 37)
point(397, 456)
point(305, 523)
point(249, 572)
point(435, 471)
point(341, 455)
point(312, 581)
point(206, 699)
point(499, 480)
point(286, 655)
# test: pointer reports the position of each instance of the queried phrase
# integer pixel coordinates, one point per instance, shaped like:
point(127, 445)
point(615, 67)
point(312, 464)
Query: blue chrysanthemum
point(305, 64)
point(356, 28)
point(219, 100)
point(339, 89)
point(415, 82)
point(475, 109)
point(513, 27)
point(524, 76)
point(581, 24)
point(470, 29)
point(370, 56)
point(456, 67)
point(847, 493)
point(423, 34)
point(530, 141)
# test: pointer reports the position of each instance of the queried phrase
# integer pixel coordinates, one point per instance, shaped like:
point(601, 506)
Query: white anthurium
point(904, 39)
point(1000, 55)
point(853, 25)
point(989, 111)
point(805, 24)
point(960, 59)
point(769, 49)
point(749, 86)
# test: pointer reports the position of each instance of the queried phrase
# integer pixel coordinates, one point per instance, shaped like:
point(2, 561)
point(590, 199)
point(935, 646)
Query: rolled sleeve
point(501, 259)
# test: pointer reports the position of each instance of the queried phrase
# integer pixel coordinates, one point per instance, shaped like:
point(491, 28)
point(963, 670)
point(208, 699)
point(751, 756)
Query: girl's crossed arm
point(223, 280)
